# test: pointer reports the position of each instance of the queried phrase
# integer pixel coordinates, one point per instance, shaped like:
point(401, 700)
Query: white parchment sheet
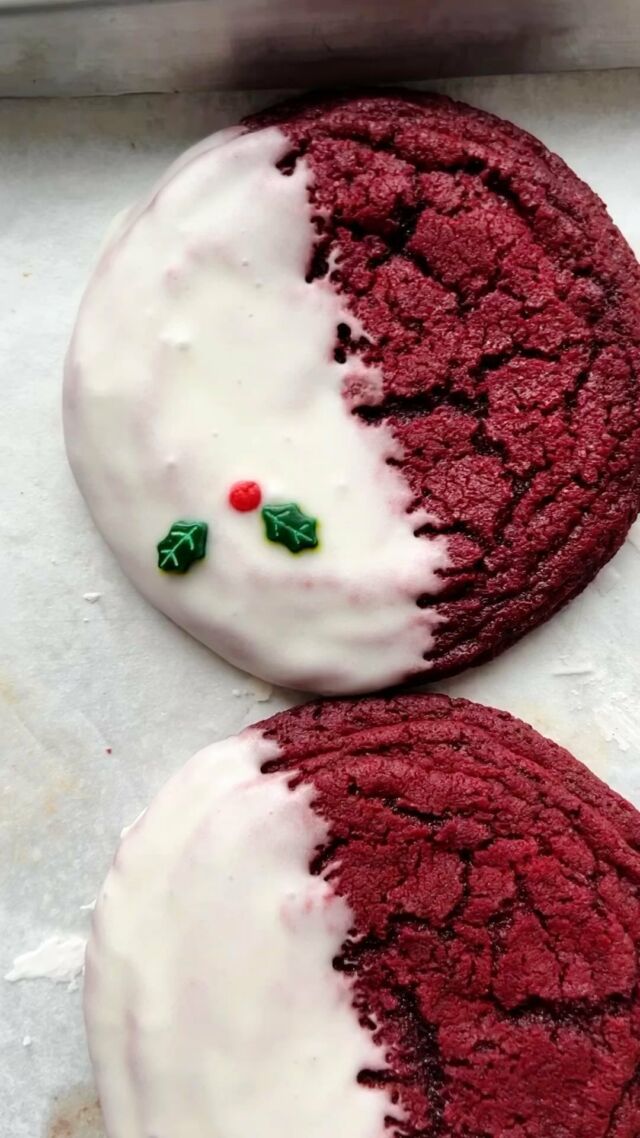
point(100, 701)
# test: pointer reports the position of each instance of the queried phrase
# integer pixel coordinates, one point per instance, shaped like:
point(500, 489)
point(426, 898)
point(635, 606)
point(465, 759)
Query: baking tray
point(100, 702)
point(109, 46)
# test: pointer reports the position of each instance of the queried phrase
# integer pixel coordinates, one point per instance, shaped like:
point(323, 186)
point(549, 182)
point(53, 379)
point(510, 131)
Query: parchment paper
point(100, 701)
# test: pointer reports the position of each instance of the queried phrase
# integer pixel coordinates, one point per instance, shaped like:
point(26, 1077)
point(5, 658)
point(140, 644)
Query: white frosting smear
point(211, 1004)
point(59, 959)
point(202, 357)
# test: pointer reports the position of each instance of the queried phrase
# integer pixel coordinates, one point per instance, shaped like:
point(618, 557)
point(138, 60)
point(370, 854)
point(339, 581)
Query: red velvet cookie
point(413, 916)
point(501, 306)
point(415, 335)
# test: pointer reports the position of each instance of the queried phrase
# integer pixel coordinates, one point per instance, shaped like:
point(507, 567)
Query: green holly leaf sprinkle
point(185, 543)
point(288, 525)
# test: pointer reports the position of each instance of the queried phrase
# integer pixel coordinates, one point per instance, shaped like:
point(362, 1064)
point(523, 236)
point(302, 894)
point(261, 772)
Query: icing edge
point(211, 1002)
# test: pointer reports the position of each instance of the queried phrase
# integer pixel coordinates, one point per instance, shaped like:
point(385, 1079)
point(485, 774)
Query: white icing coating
point(58, 958)
point(202, 357)
point(211, 1004)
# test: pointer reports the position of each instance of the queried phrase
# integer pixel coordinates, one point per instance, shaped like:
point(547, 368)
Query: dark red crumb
point(494, 885)
point(502, 307)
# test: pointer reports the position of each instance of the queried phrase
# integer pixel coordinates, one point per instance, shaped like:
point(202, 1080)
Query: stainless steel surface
point(110, 46)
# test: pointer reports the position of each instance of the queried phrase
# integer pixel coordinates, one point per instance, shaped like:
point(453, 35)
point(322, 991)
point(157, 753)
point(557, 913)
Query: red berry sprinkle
point(245, 496)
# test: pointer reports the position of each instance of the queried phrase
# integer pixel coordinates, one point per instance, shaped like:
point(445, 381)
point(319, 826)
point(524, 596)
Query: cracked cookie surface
point(400, 317)
point(500, 304)
point(493, 882)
